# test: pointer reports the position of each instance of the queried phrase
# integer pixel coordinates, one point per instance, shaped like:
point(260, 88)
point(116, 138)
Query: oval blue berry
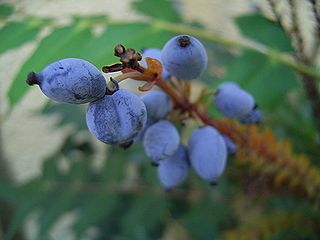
point(231, 146)
point(161, 140)
point(173, 171)
point(70, 80)
point(158, 105)
point(184, 57)
point(207, 153)
point(232, 101)
point(116, 118)
point(252, 117)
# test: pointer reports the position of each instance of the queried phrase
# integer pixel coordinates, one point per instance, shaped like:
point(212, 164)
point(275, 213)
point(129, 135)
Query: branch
point(276, 13)
point(313, 96)
point(317, 40)
point(274, 55)
point(309, 82)
point(277, 56)
point(271, 224)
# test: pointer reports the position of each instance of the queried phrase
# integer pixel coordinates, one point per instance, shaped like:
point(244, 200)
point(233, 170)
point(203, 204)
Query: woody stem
point(193, 109)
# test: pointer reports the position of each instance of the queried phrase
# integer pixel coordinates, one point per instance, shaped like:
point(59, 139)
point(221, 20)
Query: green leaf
point(9, 192)
point(94, 210)
point(286, 121)
point(109, 226)
point(218, 58)
point(113, 170)
point(50, 170)
point(143, 218)
point(80, 170)
point(265, 31)
point(60, 200)
point(205, 219)
point(6, 10)
point(164, 9)
point(69, 114)
point(14, 34)
point(31, 195)
point(50, 49)
point(267, 81)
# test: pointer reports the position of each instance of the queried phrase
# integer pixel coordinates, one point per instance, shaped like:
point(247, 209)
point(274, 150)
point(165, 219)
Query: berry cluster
point(120, 117)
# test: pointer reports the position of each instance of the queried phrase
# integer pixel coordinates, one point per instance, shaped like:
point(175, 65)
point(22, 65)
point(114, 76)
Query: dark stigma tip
point(213, 183)
point(126, 145)
point(184, 41)
point(154, 164)
point(32, 79)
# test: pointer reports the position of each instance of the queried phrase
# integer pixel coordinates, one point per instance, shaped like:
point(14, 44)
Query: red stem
point(184, 103)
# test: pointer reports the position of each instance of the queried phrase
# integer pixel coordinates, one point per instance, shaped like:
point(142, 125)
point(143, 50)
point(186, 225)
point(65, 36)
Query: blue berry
point(207, 153)
point(158, 104)
point(231, 146)
point(252, 117)
point(154, 53)
point(116, 118)
point(70, 80)
point(140, 135)
point(184, 57)
point(160, 141)
point(232, 101)
point(173, 171)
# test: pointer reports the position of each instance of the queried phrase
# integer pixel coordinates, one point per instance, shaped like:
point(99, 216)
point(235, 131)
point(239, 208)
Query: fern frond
point(300, 20)
point(264, 155)
point(276, 223)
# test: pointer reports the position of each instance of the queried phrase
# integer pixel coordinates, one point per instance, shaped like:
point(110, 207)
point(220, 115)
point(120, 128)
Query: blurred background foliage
point(57, 182)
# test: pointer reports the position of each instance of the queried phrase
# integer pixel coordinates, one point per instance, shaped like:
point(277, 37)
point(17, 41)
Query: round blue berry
point(117, 118)
point(252, 117)
point(161, 140)
point(207, 153)
point(232, 101)
point(184, 57)
point(156, 54)
point(173, 171)
point(158, 104)
point(231, 146)
point(70, 80)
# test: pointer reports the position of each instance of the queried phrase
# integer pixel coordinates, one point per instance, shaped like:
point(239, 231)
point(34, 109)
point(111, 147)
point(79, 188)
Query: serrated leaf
point(265, 31)
point(164, 9)
point(267, 81)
